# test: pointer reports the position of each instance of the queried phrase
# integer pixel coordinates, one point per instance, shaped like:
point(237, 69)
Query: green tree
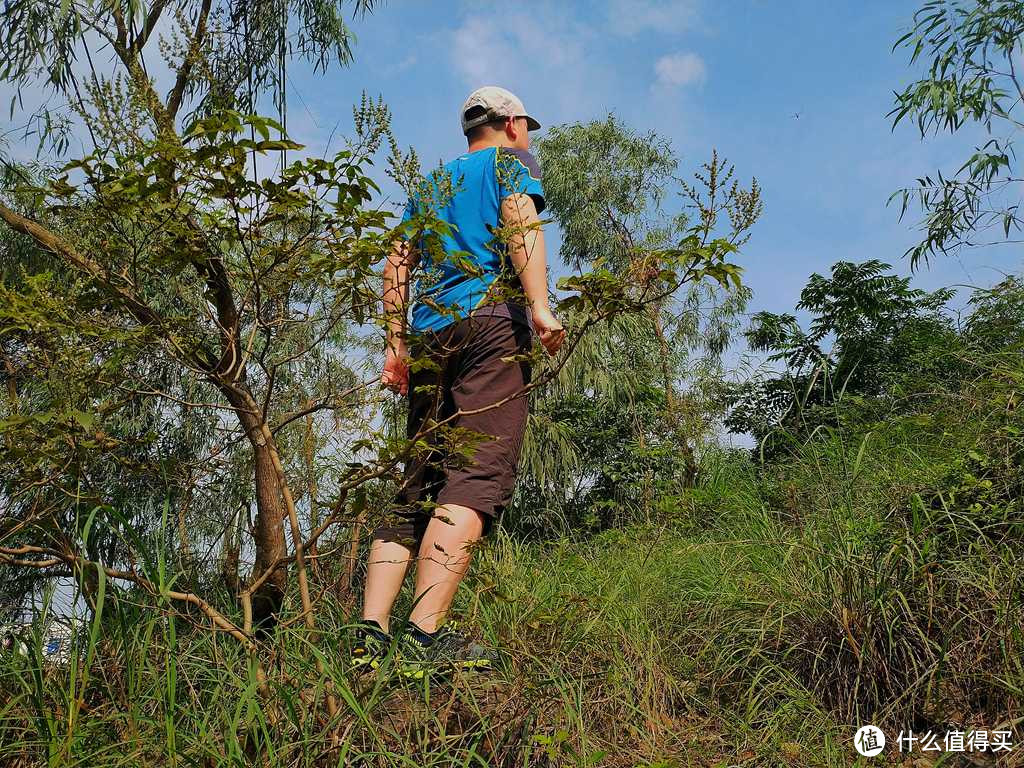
point(996, 322)
point(170, 320)
point(627, 413)
point(973, 52)
point(869, 332)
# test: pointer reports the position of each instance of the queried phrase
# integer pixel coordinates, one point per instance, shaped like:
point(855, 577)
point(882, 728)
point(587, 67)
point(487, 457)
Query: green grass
point(872, 578)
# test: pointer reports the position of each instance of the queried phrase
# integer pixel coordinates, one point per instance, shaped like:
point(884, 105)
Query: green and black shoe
point(370, 646)
point(451, 649)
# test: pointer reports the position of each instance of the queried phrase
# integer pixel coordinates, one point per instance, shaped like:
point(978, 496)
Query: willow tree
point(171, 317)
point(972, 85)
point(631, 408)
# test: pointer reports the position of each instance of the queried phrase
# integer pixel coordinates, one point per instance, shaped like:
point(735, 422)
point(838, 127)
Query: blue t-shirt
point(480, 180)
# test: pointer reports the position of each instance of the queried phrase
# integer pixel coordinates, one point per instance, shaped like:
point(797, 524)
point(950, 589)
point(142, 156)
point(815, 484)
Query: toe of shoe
point(359, 662)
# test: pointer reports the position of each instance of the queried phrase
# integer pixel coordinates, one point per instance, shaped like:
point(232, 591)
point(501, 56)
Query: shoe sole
point(418, 672)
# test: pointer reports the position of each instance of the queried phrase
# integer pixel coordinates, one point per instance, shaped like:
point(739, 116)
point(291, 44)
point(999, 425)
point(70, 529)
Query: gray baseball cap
point(497, 103)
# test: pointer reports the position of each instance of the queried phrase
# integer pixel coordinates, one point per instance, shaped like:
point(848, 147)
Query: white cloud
point(568, 66)
point(631, 17)
point(546, 50)
point(406, 63)
point(482, 52)
point(679, 69)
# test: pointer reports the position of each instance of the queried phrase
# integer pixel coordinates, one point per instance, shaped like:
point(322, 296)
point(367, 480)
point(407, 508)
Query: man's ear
point(511, 129)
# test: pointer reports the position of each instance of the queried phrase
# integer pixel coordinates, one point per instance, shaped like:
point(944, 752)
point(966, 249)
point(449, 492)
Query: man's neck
point(478, 145)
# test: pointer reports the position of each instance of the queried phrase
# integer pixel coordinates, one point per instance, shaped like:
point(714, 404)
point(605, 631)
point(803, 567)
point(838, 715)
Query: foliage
point(871, 338)
point(598, 445)
point(973, 49)
point(623, 467)
point(996, 321)
point(888, 569)
point(207, 312)
point(873, 577)
point(165, 307)
point(220, 56)
point(879, 570)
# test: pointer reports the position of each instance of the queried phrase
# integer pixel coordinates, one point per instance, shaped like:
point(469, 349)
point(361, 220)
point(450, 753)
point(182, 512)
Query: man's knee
point(461, 517)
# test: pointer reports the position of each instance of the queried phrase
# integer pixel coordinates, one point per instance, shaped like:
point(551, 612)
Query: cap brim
point(531, 124)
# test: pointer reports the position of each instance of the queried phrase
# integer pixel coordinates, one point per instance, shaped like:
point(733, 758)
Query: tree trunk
point(312, 486)
point(268, 531)
point(231, 554)
point(270, 542)
point(671, 404)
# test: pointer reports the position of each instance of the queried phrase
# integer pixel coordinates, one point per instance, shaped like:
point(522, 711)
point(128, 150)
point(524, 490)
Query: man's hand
point(395, 375)
point(548, 329)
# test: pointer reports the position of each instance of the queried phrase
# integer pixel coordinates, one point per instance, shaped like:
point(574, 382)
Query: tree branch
point(181, 81)
point(147, 28)
point(8, 555)
point(141, 311)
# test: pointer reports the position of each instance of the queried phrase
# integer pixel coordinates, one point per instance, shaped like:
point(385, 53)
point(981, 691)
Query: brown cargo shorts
point(470, 375)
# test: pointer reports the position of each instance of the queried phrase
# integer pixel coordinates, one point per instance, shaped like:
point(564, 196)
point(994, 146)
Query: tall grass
point(876, 576)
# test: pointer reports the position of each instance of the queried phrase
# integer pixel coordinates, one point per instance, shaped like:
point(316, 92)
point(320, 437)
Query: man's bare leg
point(385, 572)
point(443, 561)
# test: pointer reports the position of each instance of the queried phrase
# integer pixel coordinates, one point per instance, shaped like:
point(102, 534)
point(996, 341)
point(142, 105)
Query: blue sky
point(794, 93)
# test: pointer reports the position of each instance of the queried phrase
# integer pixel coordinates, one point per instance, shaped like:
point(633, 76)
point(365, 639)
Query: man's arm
point(401, 259)
point(526, 250)
point(396, 291)
point(526, 246)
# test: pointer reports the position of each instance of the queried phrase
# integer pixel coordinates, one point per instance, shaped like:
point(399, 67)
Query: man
point(466, 318)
